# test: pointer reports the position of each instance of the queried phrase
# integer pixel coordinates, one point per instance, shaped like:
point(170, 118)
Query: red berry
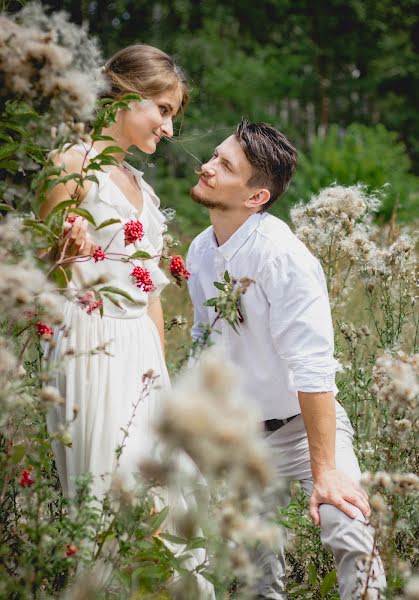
point(71, 549)
point(98, 254)
point(133, 231)
point(142, 279)
point(26, 479)
point(44, 330)
point(178, 269)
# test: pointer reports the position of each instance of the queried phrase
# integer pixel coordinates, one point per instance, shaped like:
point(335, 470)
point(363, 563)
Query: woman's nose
point(167, 128)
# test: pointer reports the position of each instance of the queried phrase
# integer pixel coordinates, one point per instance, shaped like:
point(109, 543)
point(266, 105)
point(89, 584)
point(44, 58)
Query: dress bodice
point(105, 200)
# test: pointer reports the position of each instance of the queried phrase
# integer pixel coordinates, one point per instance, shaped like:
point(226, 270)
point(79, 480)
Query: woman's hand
point(76, 241)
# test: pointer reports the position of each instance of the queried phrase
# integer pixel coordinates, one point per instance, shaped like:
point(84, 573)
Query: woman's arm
point(77, 240)
point(155, 312)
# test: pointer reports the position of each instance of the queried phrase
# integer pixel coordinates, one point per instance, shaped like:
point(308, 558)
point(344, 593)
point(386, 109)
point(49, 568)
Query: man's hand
point(334, 487)
point(77, 241)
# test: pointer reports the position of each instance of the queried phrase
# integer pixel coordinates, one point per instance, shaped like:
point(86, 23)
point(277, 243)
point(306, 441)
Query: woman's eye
point(164, 110)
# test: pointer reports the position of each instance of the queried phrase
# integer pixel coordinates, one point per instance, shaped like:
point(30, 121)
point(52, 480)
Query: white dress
point(102, 380)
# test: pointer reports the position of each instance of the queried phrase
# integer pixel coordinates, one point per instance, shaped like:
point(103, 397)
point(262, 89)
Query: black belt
point(275, 424)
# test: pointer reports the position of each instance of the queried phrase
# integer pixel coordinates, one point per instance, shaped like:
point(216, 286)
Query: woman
point(114, 364)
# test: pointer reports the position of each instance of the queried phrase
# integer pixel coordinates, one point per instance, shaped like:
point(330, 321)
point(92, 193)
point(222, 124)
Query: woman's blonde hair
point(144, 70)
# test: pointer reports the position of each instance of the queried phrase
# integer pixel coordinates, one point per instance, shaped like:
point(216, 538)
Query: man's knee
point(340, 531)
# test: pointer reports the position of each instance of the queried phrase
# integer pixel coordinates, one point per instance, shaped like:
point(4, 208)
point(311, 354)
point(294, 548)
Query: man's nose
point(208, 169)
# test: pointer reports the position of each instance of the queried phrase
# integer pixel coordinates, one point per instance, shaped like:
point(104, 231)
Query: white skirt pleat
point(102, 381)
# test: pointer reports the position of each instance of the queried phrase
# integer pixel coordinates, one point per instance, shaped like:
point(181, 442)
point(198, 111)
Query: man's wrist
point(320, 470)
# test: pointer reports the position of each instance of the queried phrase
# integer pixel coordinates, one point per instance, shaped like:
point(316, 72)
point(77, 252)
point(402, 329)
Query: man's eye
point(227, 166)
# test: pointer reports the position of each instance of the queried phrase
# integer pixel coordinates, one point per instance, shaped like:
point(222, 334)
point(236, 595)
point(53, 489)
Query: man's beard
point(211, 204)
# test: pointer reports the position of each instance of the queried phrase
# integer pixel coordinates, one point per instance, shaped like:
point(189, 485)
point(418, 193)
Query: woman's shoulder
point(72, 158)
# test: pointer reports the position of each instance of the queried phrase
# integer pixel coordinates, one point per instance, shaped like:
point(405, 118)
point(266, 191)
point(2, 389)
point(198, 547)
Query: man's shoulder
point(200, 243)
point(278, 238)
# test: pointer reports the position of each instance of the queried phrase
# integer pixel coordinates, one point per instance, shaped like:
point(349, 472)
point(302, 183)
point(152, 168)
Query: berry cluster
point(26, 479)
point(133, 231)
point(98, 254)
point(44, 330)
point(89, 303)
point(178, 269)
point(70, 550)
point(142, 279)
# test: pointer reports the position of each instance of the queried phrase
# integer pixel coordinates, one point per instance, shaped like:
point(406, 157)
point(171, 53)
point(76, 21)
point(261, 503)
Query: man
point(284, 344)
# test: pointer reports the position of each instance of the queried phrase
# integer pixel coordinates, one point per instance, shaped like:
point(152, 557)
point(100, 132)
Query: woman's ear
point(258, 199)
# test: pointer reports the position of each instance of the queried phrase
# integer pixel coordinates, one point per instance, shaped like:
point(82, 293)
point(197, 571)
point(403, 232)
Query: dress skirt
point(101, 363)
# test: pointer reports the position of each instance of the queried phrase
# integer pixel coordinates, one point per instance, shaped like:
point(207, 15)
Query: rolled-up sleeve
point(300, 321)
point(196, 294)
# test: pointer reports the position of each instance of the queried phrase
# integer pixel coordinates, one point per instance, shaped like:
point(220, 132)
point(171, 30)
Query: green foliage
point(370, 155)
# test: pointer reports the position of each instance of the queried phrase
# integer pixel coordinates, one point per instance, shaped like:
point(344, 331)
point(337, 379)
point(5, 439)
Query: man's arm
point(330, 486)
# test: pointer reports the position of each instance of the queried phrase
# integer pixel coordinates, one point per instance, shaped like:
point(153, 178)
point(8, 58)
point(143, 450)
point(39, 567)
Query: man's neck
point(226, 223)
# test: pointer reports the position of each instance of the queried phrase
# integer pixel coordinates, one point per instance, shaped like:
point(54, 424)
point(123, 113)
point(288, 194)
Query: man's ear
point(258, 199)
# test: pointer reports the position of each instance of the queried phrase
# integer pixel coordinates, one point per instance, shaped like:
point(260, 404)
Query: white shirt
point(285, 343)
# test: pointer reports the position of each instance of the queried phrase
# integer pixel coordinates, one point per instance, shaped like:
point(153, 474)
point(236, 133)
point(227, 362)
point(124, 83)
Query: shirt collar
point(239, 237)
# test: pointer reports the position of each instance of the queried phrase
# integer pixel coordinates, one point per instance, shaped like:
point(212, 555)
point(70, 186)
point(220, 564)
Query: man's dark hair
point(272, 157)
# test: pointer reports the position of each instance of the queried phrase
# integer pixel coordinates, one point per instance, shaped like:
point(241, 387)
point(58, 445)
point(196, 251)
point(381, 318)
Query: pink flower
point(44, 330)
point(178, 269)
point(98, 254)
point(133, 231)
point(142, 279)
point(26, 479)
point(70, 550)
point(71, 218)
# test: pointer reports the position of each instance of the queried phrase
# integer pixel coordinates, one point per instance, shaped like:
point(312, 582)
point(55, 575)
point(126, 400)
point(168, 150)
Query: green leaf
point(175, 539)
point(61, 277)
point(327, 584)
point(9, 149)
point(197, 542)
point(91, 178)
point(115, 290)
point(140, 254)
point(211, 302)
point(107, 223)
point(40, 228)
point(111, 150)
point(158, 519)
point(227, 277)
point(18, 452)
point(10, 165)
point(114, 301)
point(63, 205)
point(4, 206)
point(219, 286)
point(97, 138)
point(85, 214)
point(312, 574)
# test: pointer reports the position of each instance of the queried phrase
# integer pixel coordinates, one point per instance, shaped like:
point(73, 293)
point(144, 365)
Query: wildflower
point(133, 231)
point(142, 279)
point(89, 303)
point(26, 479)
point(51, 395)
point(207, 430)
point(44, 330)
point(98, 255)
point(71, 550)
point(178, 269)
point(71, 218)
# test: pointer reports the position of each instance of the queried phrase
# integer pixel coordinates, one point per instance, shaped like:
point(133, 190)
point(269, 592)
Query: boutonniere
point(227, 303)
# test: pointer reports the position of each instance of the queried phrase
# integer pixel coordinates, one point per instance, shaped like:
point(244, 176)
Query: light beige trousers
point(350, 540)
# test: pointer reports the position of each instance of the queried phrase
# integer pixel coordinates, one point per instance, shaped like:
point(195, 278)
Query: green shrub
point(371, 155)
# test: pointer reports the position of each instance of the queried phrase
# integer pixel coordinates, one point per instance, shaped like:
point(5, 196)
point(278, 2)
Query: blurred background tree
point(311, 69)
